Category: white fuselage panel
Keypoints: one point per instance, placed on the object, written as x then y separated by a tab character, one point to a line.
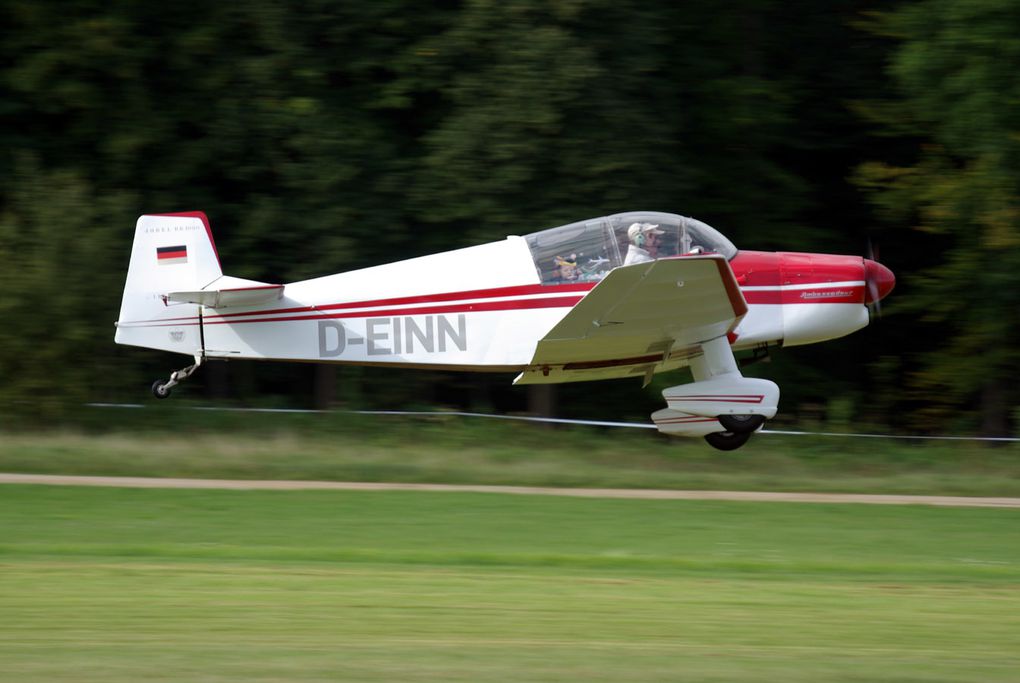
478	306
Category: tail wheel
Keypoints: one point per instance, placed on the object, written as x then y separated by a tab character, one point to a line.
741	424
160	389
727	441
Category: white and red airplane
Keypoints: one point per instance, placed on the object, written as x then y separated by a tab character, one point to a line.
627	295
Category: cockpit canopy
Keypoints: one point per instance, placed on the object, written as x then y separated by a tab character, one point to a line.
587	250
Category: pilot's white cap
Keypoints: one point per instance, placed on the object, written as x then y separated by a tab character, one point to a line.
643	228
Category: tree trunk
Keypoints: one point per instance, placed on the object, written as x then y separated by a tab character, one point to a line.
325	386
994	409
542	400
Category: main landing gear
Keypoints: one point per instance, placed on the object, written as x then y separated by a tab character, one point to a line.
161	389
727	441
738	430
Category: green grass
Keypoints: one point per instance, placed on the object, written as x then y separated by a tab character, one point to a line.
123	585
174	441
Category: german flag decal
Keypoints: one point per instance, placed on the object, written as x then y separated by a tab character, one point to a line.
167	256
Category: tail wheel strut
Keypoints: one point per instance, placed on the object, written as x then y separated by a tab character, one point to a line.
161	389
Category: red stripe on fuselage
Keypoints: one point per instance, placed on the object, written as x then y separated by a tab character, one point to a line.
521	290
477	307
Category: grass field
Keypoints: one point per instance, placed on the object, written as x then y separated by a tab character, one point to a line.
124	585
172	441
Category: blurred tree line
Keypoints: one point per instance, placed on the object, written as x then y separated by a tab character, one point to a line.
327	136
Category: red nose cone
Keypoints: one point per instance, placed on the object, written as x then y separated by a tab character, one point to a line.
880	281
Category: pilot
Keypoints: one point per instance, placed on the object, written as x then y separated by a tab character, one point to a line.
644	243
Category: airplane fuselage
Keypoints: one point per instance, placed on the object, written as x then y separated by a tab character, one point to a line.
423	315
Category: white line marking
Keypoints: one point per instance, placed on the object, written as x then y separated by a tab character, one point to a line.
563	420
792	288
640	494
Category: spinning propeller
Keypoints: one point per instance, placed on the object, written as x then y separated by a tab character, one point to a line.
878	281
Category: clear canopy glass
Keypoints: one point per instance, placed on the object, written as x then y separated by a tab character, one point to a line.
587	250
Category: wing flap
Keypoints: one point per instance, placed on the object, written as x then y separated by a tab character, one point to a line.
640	319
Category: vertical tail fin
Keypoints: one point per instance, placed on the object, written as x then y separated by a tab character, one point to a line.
171	252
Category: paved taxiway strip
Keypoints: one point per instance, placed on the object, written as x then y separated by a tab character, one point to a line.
645	494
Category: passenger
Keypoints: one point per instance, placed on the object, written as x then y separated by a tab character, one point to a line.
566	268
644	243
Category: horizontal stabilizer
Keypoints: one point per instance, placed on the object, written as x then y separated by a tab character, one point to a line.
228	292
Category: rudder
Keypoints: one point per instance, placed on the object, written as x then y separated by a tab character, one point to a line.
171	252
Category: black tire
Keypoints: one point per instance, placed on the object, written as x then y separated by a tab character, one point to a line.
160	390
727	441
741	424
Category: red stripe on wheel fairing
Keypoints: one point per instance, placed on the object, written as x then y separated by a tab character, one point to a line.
720	398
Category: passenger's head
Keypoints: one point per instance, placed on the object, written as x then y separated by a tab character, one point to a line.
566	267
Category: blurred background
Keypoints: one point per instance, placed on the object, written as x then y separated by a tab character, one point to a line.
324	136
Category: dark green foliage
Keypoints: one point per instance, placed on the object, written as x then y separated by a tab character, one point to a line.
956	97
337	135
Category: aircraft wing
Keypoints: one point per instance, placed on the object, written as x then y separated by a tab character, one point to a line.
640	319
226	291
